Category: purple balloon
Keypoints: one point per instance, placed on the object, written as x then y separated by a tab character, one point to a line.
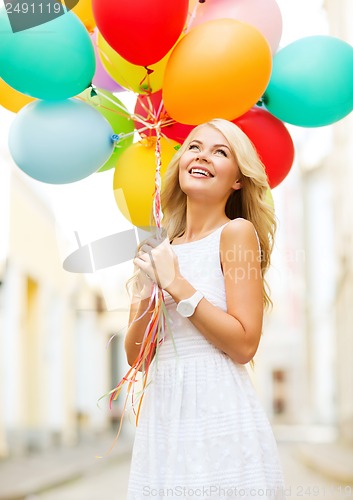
101	78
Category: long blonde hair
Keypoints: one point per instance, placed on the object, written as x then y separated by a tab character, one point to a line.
249	202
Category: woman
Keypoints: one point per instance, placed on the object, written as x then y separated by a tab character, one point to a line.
202	431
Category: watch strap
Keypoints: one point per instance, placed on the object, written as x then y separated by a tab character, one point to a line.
191	302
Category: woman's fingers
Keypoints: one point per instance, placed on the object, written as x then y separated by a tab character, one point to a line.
157	259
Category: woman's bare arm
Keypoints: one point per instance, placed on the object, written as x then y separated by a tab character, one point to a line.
236	332
136	329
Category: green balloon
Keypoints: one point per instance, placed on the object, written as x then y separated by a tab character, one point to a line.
51	61
118	117
312	82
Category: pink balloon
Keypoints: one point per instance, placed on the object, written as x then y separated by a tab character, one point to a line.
264	15
101	78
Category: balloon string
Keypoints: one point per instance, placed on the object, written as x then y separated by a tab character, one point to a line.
159	112
158	325
154	336
154	118
192	18
157	209
117	104
149	71
152	121
104	56
147	88
146	124
125	115
151	115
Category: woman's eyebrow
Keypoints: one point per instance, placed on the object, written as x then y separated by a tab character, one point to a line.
221	145
214	145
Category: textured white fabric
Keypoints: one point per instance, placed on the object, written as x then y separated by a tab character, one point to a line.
202	431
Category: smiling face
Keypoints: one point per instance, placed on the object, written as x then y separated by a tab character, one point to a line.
208	166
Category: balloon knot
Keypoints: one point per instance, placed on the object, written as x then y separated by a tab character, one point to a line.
93	91
149	70
115	138
264	100
146	88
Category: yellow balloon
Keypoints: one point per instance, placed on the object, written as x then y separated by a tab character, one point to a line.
135	175
130	76
11	99
83	10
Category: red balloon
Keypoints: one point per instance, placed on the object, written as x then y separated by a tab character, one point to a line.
150	107
272	141
141	31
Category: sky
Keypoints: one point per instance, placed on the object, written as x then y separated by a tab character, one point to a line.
88	206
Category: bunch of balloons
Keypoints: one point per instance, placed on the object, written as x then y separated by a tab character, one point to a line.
187	61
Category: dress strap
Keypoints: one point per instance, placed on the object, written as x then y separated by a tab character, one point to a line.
258	239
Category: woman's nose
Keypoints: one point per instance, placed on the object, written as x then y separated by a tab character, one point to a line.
202	156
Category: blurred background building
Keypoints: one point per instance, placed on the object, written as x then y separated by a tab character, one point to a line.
55	362
304	364
340	162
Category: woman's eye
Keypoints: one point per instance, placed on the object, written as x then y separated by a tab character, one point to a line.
194	146
221	151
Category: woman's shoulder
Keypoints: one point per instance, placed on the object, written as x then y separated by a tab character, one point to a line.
239	230
238	226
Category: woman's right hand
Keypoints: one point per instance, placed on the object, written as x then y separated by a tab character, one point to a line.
144	285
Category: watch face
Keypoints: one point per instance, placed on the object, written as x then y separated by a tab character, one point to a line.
186	309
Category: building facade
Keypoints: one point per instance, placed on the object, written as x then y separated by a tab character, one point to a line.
340	14
56	360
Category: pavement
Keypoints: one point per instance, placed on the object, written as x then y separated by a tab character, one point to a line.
23	478
333	460
321	450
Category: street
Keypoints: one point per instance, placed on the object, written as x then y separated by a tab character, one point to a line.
306	484
109	482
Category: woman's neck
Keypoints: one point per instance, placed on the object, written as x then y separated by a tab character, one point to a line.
201	220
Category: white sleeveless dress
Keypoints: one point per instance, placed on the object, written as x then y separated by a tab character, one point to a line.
202	432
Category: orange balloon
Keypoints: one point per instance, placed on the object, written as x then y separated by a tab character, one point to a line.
134	178
83	10
11	99
220	69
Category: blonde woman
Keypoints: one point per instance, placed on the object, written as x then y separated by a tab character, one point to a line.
202	431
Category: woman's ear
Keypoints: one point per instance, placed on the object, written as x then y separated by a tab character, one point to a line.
237	185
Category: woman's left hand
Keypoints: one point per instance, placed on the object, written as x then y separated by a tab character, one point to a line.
157	259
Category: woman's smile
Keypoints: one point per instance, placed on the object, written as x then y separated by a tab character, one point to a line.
209	156
200	172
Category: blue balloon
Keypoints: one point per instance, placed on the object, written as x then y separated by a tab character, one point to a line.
58	142
312	82
53	61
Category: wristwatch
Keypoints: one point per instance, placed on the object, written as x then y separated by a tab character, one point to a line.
186	307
